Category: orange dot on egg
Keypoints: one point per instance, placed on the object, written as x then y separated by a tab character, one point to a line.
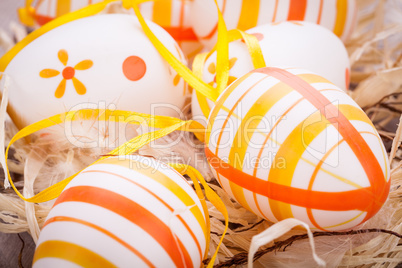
68	73
347	78
134	68
259	36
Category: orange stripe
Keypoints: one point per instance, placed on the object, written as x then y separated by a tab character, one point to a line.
181	19
249	124
341	12
275	10
296	196
249	14
133	212
168	183
213	31
70	252
320	12
102	230
181	34
63	7
159	199
297	9
312	180
41	20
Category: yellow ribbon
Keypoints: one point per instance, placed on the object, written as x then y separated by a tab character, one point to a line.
197	178
26	14
193	80
167	125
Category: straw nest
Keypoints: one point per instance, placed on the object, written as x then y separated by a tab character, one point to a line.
376	58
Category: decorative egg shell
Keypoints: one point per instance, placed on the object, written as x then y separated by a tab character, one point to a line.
134	212
172	15
286	143
339	16
104	59
47	10
287	44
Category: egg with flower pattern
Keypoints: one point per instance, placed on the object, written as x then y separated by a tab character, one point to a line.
101	60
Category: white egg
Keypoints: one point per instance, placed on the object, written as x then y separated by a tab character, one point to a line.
287	44
339	16
104	60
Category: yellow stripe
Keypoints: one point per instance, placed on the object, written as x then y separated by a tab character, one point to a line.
202	101
63	7
296	143
249	124
342	223
341	12
162	12
313	78
70	252
249	14
166	182
219	104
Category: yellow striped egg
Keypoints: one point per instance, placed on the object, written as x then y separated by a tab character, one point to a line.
47	10
133	212
172	15
103	60
287	143
287	44
339	16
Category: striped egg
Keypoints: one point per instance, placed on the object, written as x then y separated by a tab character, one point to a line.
172	15
133	212
286	44
286	143
47	10
339	16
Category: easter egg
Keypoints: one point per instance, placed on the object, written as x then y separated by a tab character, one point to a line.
172	15
133	212
287	44
47	10
103	60
339	16
287	143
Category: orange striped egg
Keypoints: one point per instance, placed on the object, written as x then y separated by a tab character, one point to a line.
339	16
134	212
287	44
286	143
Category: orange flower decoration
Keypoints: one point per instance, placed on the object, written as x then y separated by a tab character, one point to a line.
212	70
68	73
